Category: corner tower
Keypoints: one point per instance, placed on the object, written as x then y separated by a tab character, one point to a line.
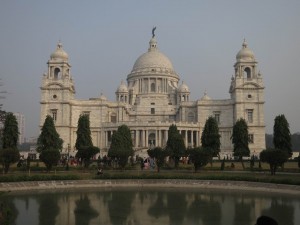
247	94
57	90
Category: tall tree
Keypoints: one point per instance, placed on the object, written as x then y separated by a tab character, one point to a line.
9	153
84	138
240	140
84	143
210	137
121	145
49	144
282	135
175	144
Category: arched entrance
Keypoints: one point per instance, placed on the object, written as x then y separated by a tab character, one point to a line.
151	140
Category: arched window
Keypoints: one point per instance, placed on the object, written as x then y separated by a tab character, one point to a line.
153	87
151	140
56	73
247	73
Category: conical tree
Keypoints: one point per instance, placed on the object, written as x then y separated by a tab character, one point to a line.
240	140
121	145
49	144
84	143
9	153
282	135
210	137
84	138
175	144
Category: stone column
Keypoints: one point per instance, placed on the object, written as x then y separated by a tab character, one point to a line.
192	138
146	133
138	138
186	138
135	137
166	136
143	138
105	139
197	138
156	138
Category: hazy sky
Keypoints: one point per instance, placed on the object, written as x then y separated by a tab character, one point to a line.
104	38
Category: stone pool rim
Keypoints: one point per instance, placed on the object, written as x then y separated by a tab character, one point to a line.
149	183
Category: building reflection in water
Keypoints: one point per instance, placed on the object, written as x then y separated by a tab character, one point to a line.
145	206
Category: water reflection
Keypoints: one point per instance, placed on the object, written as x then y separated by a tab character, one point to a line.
84	212
160	206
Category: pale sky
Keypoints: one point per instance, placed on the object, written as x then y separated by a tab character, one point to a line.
104	38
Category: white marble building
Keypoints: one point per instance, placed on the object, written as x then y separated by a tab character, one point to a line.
151	100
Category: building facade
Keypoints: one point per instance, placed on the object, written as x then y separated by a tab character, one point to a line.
21	127
151	100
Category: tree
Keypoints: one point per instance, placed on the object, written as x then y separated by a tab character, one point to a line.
175	144
210	137
84	143
121	145
159	155
274	157
86	153
84	138
2	120
282	135
200	157
50	157
10	132
240	140
49	144
9	153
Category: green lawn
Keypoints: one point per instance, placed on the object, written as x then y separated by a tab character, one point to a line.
289	175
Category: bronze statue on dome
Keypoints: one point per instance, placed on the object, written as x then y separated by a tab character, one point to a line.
153	29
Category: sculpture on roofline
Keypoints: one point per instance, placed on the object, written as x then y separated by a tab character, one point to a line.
153	29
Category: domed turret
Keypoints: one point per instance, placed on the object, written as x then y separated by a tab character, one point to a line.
122	88
183	88
59	53
245	54
102	97
205	97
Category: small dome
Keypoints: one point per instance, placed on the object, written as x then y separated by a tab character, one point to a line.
59	53
245	54
183	88
205	97
122	87
102	97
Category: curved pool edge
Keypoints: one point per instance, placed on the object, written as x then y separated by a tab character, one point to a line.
155	183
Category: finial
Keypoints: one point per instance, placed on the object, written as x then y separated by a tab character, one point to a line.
245	43
153	34
59	44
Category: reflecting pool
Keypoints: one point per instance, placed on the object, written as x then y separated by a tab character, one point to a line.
151	206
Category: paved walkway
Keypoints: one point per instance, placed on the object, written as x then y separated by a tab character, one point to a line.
164	183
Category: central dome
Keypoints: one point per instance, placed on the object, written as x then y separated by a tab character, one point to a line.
153	60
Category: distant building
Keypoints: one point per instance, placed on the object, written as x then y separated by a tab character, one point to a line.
21	125
152	99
